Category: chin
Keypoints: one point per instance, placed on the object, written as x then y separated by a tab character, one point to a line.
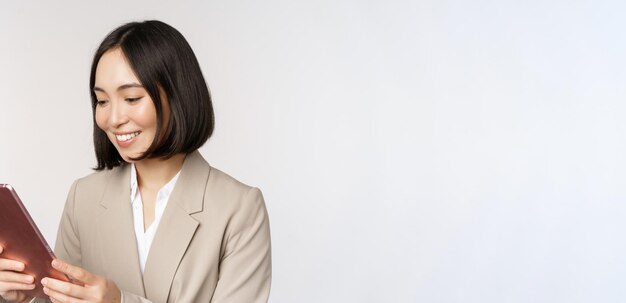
127	157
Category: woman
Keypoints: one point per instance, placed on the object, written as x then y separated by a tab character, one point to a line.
156	223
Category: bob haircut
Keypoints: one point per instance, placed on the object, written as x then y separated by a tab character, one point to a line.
166	66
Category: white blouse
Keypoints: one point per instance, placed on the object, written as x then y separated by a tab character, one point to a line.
145	237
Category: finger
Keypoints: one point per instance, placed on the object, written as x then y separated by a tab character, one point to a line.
6	264
56	296
15	296
9	286
63	287
74	272
9	276
1	249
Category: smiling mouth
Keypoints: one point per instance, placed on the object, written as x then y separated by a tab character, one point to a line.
126	137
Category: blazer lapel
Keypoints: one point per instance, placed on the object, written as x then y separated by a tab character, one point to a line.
117	235
176	228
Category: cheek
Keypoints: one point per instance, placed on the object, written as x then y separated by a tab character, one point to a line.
145	116
101	118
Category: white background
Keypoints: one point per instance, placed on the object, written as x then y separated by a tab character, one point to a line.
408	151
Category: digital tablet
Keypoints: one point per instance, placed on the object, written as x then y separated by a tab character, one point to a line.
22	241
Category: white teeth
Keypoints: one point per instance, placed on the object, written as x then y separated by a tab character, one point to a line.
126	137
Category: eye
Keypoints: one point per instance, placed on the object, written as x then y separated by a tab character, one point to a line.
131	100
101	102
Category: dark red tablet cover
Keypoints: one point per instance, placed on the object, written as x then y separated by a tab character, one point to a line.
22	241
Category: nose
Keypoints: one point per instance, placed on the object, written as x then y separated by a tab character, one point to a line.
118	115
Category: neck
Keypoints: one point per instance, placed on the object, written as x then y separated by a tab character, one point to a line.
155	173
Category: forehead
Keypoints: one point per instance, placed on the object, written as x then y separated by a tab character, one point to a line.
114	71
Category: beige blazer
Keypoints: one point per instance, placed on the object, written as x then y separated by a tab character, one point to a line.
212	244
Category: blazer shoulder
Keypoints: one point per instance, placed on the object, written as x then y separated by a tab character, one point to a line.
218	177
229	192
91	187
93	178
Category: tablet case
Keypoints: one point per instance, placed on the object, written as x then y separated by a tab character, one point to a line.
22	241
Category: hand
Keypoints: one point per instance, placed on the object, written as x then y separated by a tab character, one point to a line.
94	288
12	282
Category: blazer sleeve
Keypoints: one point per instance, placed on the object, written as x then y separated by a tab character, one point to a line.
67	246
245	268
128	297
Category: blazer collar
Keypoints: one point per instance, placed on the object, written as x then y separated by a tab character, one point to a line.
189	190
176	229
116	233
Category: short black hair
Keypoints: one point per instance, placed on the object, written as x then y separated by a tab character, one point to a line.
164	63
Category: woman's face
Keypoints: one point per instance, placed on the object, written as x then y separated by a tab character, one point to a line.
125	111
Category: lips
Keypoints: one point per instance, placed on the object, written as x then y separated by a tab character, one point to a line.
125	140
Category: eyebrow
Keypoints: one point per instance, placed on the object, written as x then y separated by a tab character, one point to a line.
122	87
